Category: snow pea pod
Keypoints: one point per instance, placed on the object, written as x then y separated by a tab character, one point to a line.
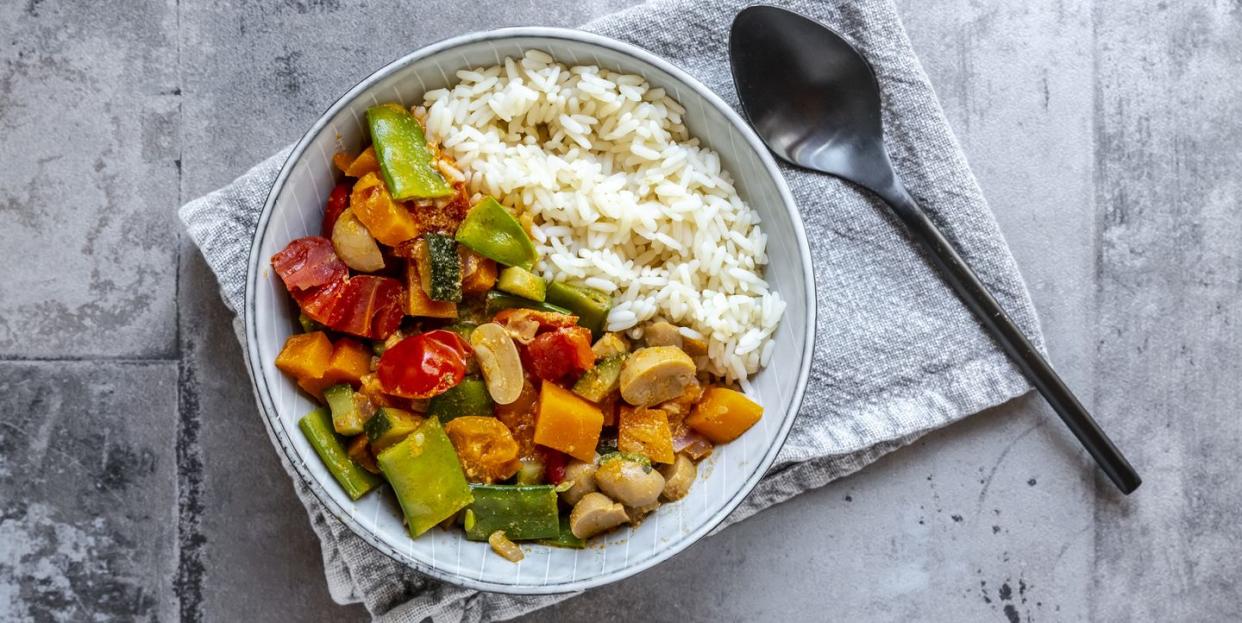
405	159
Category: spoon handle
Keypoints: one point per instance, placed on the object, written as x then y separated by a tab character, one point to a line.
1034	367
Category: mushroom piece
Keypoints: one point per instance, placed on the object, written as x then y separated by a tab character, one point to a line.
629	482
640	513
655	374
662	333
582	475
677	478
595	513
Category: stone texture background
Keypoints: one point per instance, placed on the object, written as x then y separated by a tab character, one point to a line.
136	482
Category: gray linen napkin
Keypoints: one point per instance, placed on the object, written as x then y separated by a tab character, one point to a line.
897	355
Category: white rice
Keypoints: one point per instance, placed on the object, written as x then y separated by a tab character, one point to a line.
623	199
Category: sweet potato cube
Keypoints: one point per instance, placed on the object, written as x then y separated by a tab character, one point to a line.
366	162
645	431
314	387
478	273
305	355
388	221
417	303
567	423
342	160
349	362
724	414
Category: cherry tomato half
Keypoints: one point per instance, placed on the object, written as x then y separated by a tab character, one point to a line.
424	365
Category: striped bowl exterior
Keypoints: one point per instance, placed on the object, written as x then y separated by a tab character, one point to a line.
293	210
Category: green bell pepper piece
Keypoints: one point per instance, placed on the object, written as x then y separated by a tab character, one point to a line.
590	305
602	379
356	481
524	512
499	301
404	157
492	232
469	397
565	538
427	477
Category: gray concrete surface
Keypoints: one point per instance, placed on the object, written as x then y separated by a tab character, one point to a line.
136	483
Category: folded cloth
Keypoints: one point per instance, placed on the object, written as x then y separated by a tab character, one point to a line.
897	354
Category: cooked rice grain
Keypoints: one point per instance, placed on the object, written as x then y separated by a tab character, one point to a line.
623	198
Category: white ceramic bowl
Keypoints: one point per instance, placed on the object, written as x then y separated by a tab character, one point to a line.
294	209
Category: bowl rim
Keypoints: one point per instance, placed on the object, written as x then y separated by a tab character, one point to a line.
263	392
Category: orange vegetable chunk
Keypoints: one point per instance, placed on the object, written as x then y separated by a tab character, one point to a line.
417	303
487	449
349	362
314	387
567	423
645	431
478	273
388	221
724	414
366	162
342	160
305	355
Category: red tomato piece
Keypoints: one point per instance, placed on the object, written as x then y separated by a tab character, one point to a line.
319	303
553	464
337	202
423	365
368	306
308	263
560	353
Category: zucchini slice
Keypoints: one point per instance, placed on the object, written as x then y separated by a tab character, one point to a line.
469	397
602	379
388	426
347	417
522	282
439	268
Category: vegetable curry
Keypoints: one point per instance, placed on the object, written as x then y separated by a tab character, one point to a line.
486	396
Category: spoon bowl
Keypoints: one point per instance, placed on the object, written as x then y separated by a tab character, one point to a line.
794	94
815	101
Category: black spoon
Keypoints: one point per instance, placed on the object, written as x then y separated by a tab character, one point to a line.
815	101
